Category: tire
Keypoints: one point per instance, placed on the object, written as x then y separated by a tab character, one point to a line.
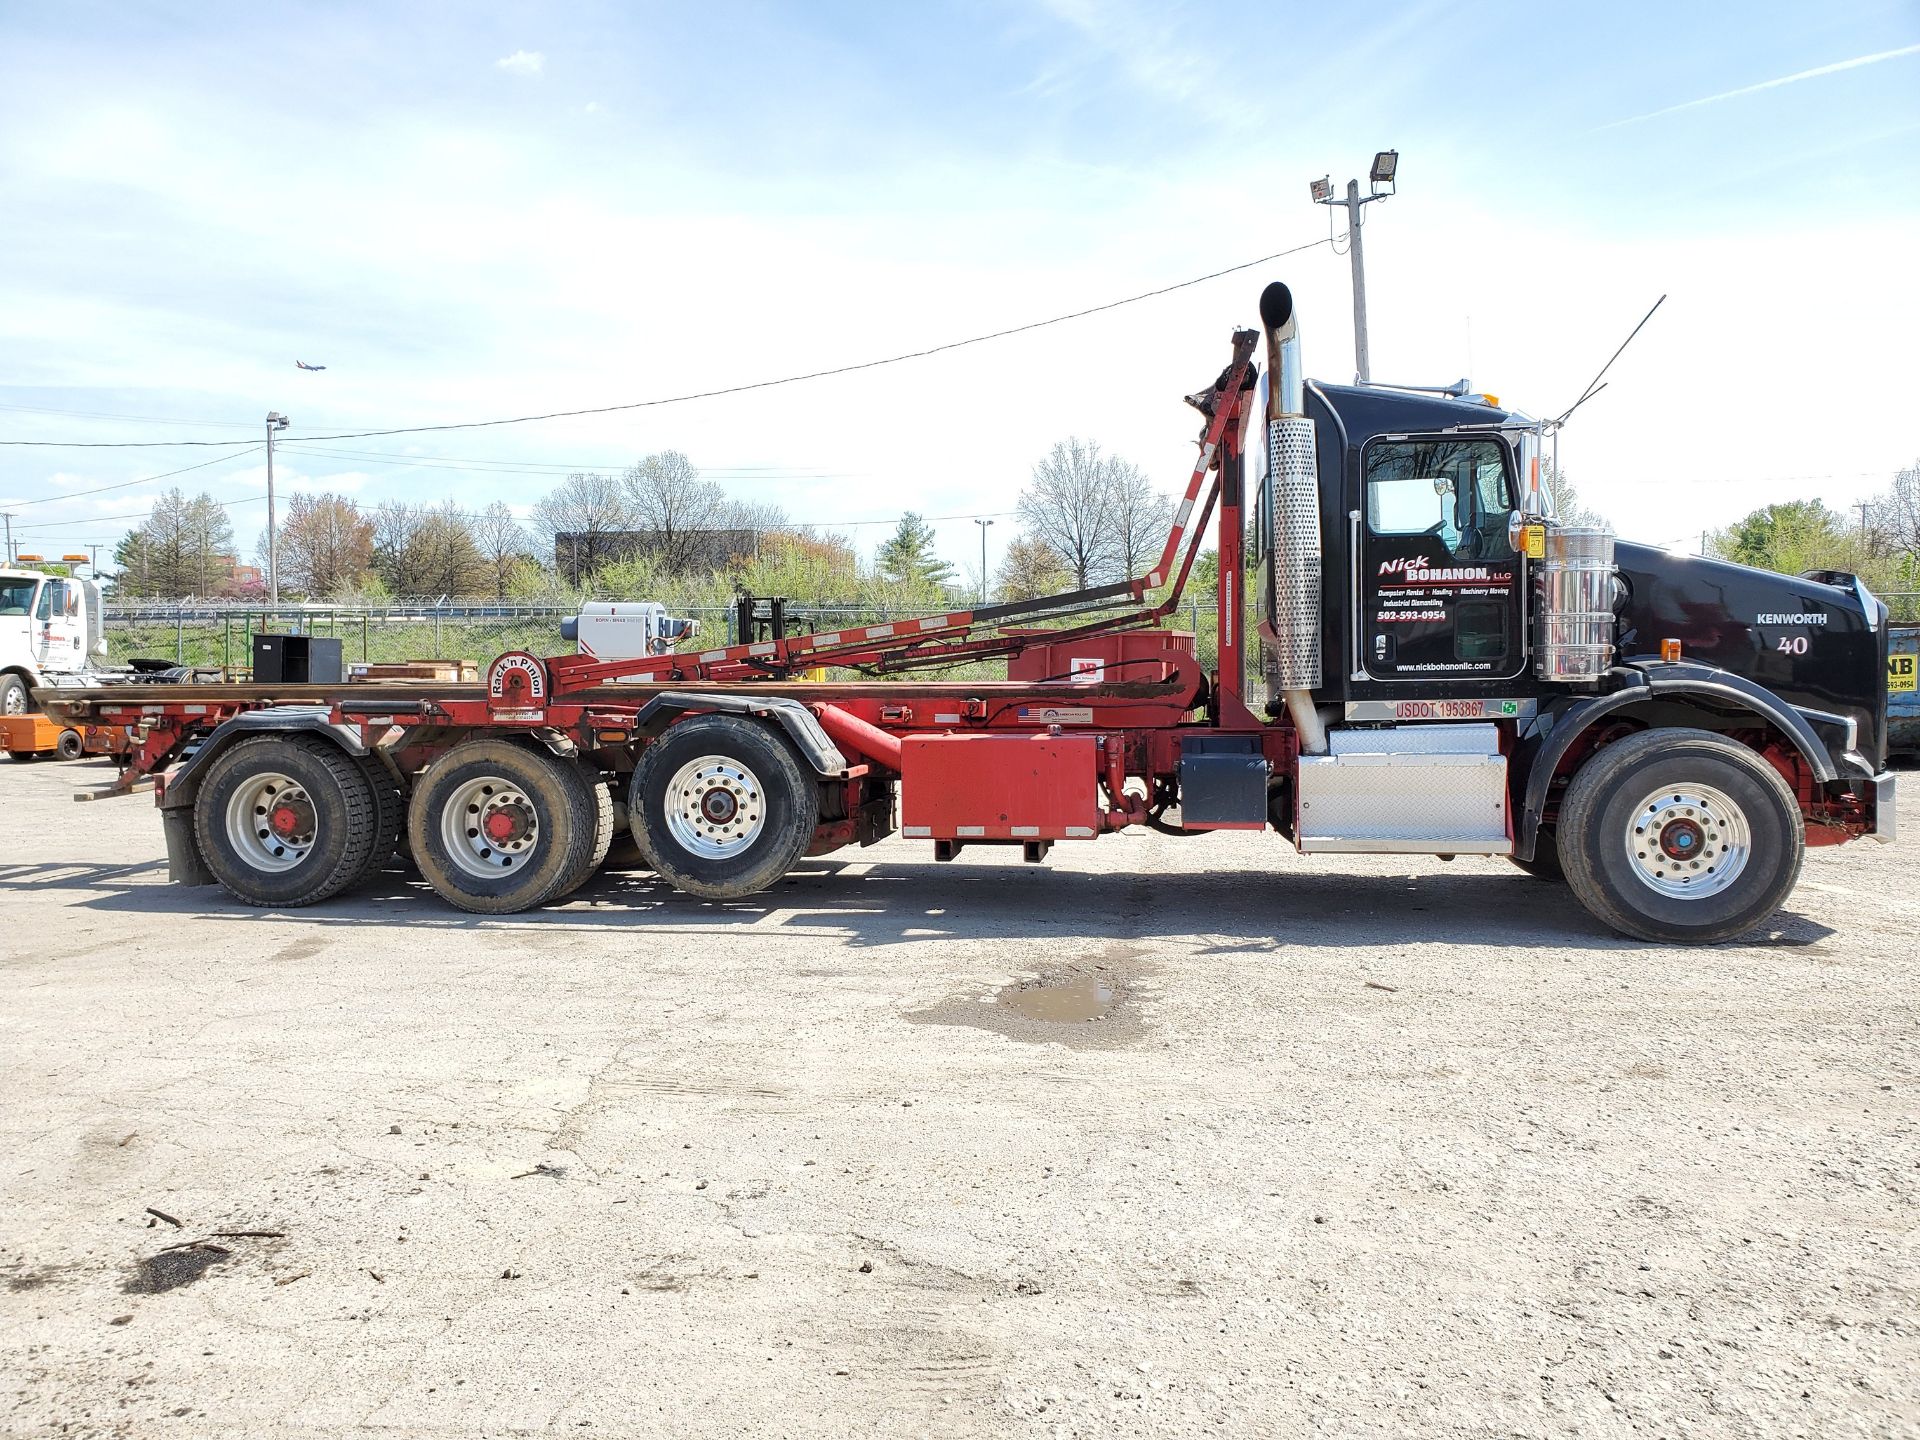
390	807
721	806
1545	864
14	696
547	817
70	746
602	800
315	842
1691	798
22	757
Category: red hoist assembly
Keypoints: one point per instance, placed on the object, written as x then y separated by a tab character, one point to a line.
1438	673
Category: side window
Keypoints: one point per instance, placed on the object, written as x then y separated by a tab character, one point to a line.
44	610
1412	505
1441	586
1453	492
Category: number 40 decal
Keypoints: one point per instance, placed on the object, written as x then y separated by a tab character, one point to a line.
1793	645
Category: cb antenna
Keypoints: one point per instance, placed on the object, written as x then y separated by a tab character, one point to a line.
1594	387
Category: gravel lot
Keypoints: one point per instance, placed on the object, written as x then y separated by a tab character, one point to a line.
1359	1147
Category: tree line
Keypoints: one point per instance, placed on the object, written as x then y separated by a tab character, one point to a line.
659	530
1881	545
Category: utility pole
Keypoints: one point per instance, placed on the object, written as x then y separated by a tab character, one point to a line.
94	564
1861	506
983	524
275	421
1385	164
8	517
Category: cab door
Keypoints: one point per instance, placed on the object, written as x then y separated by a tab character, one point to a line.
59	631
1442	590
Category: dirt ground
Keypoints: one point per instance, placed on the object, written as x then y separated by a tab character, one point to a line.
1354	1147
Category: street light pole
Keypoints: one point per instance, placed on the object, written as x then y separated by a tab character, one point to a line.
275	421
983	524
1385	164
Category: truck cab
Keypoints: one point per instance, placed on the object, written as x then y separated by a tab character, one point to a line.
50	630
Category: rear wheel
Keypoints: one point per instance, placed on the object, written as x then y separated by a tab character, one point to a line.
1681	836
722	807
284	821
497	827
602	800
70	745
390	816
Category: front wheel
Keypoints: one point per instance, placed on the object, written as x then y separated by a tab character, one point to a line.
721	807
14	698
1681	836
1545	864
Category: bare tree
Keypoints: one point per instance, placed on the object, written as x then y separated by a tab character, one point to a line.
1138	518
502	544
208	536
326	545
585	508
1065	507
184	547
680	512
395	525
1098	514
1896	514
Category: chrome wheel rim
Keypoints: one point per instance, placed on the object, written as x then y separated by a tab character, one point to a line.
16	700
271	822
490	827
715	807
1688	841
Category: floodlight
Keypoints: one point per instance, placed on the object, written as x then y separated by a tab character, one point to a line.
1322	190
1384	164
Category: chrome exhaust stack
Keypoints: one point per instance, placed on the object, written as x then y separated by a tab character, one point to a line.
1298	562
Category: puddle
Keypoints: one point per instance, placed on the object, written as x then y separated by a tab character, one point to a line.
170	1269
1083	1009
1062	1002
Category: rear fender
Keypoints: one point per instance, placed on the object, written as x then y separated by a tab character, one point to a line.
800	725
184	783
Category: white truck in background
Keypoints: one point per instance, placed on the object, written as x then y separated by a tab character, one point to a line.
51	633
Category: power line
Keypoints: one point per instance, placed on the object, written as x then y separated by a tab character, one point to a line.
738	474
712	394
135	515
128	484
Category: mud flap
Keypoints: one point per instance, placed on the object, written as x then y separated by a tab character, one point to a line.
185	864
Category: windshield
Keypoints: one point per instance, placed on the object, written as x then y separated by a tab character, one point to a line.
16	596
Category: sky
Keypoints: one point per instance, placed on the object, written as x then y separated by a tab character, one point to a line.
470	211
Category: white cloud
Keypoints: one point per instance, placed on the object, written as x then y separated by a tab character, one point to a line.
522	62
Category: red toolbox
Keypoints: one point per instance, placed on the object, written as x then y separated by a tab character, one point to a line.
999	787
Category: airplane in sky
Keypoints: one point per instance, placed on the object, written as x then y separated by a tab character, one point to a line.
305	366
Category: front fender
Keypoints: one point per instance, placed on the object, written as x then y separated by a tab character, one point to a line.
1645	680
